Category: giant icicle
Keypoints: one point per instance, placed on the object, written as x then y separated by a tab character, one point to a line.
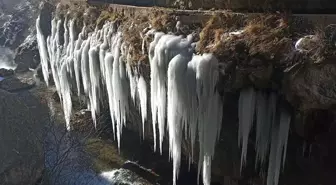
142	93
211	110
278	148
66	94
42	47
120	90
177	107
246	118
94	71
265	113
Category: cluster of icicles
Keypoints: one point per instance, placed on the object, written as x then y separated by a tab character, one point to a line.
182	86
272	127
182	91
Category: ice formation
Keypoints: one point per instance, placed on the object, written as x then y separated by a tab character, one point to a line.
272	127
246	117
182	92
142	93
94	71
42	47
182	85
265	113
66	94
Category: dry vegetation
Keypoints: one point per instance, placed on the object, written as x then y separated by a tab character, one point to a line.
231	36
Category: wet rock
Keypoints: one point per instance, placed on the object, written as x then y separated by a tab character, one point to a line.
141	171
21	156
6	72
14	84
123	177
27	55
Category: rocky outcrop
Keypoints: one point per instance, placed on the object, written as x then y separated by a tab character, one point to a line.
21	156
27	55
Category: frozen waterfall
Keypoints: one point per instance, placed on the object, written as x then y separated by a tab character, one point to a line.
184	102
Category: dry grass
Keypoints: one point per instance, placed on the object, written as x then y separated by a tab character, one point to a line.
268	36
265	35
324	46
215	27
162	21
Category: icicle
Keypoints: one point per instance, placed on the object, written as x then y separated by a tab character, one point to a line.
66	94
94	71
166	48
77	66
246	118
142	92
210	111
102	51
108	81
154	85
72	35
285	120
43	51
192	98
132	78
66	32
265	114
85	66
176	116
120	89
278	148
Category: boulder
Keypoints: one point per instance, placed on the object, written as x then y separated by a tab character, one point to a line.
27	55
21	144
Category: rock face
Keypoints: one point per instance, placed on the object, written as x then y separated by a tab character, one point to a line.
27	55
313	87
21	156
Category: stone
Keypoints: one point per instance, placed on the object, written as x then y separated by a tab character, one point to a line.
27	55
21	144
313	87
6	72
15	84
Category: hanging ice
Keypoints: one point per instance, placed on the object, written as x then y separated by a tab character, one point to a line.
166	47
278	147
66	94
265	114
132	77
154	84
94	71
177	108
183	87
43	51
142	92
246	118
85	71
120	90
102	51
210	111
108	81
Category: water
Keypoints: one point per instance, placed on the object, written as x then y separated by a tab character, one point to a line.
7	58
